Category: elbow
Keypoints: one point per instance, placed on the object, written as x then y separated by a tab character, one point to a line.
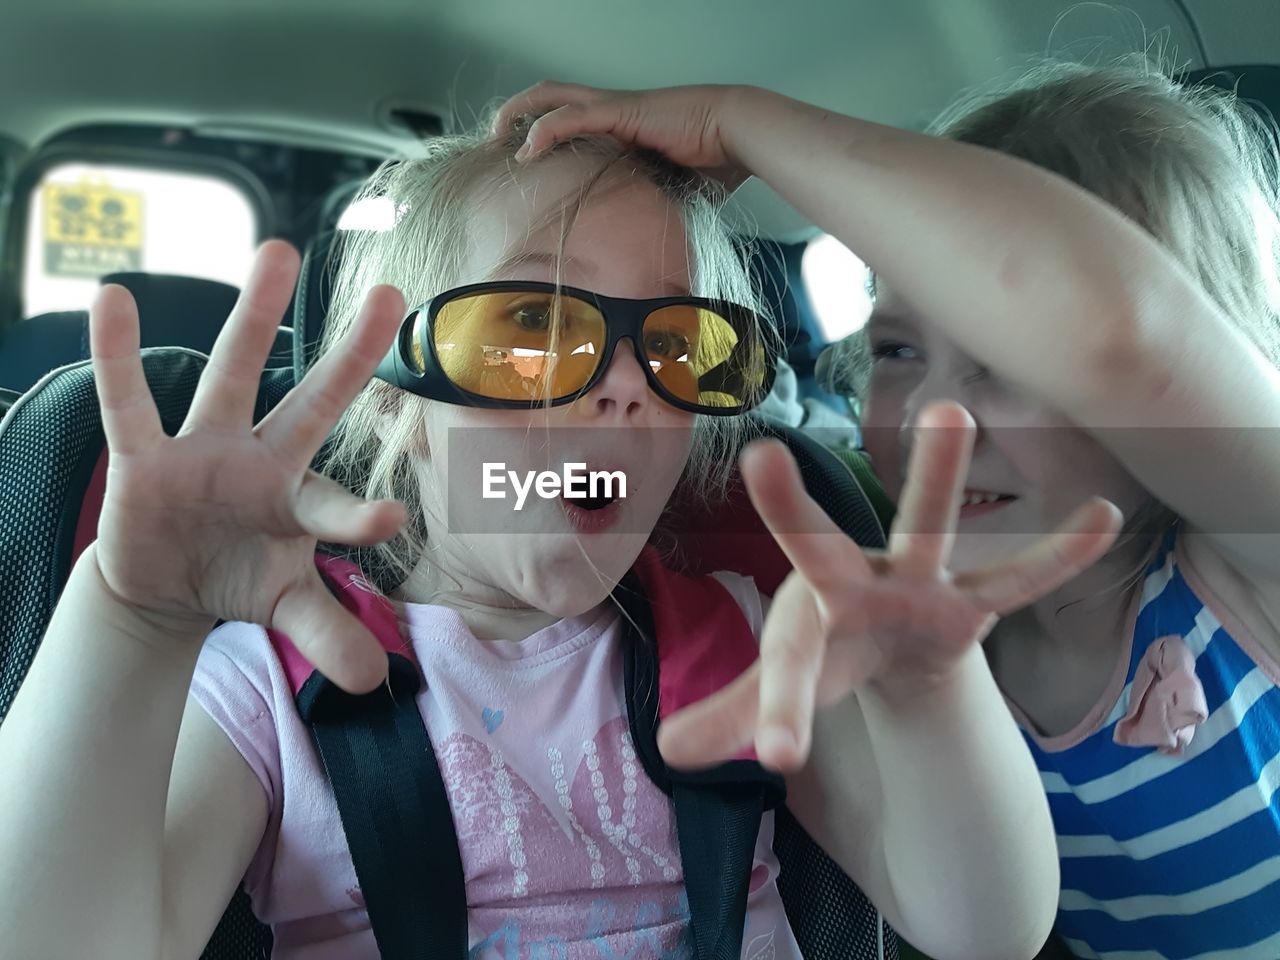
1123	357
1022	939
1120	364
1102	342
1139	327
1005	921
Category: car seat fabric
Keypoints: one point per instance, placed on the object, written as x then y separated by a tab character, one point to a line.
51	443
859	464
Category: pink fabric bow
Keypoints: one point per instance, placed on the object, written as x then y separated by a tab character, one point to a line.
1167	702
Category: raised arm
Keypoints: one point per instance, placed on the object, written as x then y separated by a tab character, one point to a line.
124	827
913	776
1043	283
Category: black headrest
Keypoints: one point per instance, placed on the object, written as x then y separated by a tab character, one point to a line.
172	311
188	312
31	348
178	311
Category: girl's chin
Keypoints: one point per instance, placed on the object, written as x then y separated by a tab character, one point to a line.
609	552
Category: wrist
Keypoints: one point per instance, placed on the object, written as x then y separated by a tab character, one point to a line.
741	109
166	630
914	691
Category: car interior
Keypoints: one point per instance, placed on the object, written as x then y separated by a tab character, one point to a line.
156	144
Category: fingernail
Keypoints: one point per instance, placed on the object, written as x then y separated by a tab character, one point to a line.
524	151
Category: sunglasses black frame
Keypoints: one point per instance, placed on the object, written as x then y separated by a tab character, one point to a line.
623	318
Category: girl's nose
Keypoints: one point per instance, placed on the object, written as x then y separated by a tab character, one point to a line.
623	391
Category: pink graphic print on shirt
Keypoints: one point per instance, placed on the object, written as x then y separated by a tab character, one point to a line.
601	871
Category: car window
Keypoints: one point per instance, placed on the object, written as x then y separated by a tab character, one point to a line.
87	220
835	280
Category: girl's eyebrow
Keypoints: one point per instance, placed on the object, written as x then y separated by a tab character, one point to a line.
541	258
887	317
550	260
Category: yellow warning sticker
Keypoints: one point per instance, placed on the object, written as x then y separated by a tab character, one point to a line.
91	229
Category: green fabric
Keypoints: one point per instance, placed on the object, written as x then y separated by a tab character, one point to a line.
859	465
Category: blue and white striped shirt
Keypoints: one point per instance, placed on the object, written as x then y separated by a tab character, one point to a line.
1174	857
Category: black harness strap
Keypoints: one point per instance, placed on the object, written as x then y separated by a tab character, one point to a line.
395	813
717	811
718	827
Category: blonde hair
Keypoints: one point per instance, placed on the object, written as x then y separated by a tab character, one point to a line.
380	439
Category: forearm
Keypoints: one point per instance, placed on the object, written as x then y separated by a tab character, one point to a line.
966	836
85	758
976	241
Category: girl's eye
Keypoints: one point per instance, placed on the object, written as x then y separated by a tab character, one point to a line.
535	318
894	351
672	345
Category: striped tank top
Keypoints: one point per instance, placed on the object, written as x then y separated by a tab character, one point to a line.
1169	840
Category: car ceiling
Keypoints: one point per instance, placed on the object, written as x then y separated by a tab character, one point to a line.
324	71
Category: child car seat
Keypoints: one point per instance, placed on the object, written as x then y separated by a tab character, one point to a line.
52	471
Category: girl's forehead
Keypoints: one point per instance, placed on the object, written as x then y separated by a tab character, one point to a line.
536	226
891	315
889	309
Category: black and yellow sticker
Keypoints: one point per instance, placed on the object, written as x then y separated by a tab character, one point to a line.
90	229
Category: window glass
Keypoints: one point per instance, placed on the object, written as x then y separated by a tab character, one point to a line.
836	281
89	220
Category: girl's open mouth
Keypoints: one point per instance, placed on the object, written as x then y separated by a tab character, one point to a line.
592	503
592	514
978	502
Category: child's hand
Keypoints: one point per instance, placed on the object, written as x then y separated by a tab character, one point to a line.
896	620
222	520
685	124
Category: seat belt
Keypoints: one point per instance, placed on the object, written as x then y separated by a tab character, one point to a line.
395	813
717	811
391	797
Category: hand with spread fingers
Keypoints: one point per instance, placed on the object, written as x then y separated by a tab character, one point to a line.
221	521
893	622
